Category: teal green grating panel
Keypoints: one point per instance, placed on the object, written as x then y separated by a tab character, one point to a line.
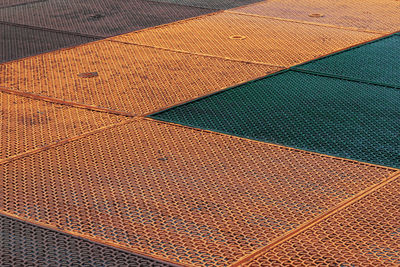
322	114
375	62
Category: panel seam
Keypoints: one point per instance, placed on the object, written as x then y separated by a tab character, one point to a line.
52	30
156	120
307	22
108	244
291	234
176	4
221	90
341	77
193	53
64	102
356	46
23	4
62	142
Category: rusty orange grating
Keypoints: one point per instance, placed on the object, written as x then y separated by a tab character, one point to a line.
370	15
269	41
365	233
179	194
125	77
28	124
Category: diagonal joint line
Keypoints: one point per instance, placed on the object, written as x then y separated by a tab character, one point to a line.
62	142
64	102
342	77
194	53
316	220
90	239
306	22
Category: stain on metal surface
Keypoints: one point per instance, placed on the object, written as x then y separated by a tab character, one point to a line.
132	79
27	124
363	234
275	42
369	15
216	198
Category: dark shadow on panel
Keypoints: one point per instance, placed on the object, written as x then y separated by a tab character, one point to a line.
19	42
12	3
23	244
99	17
213	4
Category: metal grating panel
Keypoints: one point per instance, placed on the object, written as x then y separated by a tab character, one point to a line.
186	195
250	38
18	42
129	78
327	115
220	4
366	233
375	15
380	61
27	124
10	3
23	244
99	17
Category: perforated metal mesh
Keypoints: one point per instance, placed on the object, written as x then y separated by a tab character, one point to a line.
364	234
27	124
18	42
264	40
98	17
130	78
10	3
326	115
380	61
220	4
377	15
23	244
189	196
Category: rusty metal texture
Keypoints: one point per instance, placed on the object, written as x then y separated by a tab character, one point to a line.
270	41
129	78
175	193
28	124
23	244
380	61
102	18
365	233
220	4
19	42
373	15
317	113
